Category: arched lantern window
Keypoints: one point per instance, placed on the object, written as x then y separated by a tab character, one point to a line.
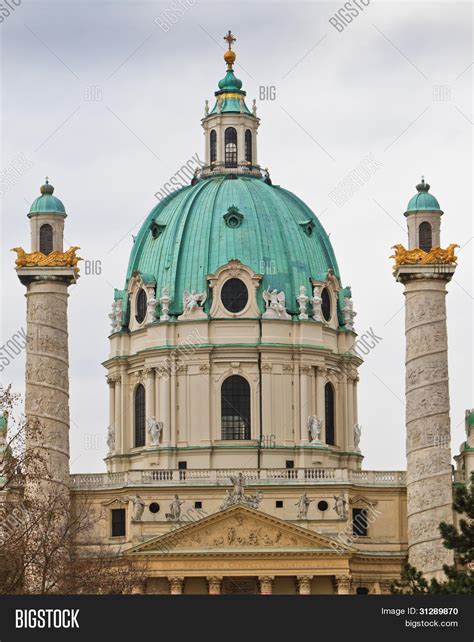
248	146
425	236
230	141
46	239
213	146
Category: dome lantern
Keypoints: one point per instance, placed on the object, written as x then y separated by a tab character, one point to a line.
230	127
47	214
423	215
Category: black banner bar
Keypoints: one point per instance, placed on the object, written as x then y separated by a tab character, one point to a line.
251	617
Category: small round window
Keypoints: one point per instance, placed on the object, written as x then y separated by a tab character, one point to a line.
234	295
323	506
154	507
233	221
140	311
326	304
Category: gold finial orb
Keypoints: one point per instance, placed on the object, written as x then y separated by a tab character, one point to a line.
230	56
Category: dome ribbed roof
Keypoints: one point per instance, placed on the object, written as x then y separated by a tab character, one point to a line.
278	236
230	82
47	203
423	200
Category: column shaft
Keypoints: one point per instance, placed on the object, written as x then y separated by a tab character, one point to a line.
429	483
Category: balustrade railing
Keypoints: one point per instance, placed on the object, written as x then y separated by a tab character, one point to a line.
252	476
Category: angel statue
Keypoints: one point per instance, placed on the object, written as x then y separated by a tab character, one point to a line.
154	429
192	304
275	304
314	428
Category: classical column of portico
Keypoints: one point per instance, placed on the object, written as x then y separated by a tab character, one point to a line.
343	584
304	584
176	585
214	585
266	584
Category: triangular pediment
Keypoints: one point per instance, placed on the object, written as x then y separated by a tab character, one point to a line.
239	529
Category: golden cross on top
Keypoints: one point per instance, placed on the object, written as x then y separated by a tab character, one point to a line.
230	39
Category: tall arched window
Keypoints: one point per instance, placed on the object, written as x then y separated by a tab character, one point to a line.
248	146
230	141
139	415
213	146
46	238
425	236
235	408
329	412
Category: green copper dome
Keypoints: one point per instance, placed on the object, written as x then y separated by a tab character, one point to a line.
199	228
230	82
423	201
47	203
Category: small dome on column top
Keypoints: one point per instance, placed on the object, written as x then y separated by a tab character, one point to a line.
423	200
47	203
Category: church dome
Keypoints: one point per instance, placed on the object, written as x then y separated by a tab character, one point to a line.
423	200
199	228
47	203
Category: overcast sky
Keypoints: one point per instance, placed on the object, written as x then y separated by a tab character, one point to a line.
107	104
